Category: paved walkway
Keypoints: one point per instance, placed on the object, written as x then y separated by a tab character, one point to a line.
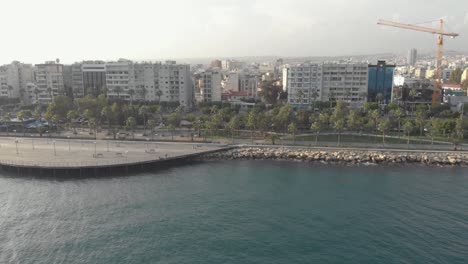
58	153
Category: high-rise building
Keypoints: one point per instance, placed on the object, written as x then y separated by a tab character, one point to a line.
380	82
412	57
308	83
88	78
210	86
49	81
168	82
14	79
345	82
303	82
249	83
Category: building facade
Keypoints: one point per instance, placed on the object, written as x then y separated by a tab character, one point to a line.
303	83
168	82
49	82
412	57
380	82
14	79
210	89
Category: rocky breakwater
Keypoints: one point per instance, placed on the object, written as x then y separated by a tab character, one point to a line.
342	156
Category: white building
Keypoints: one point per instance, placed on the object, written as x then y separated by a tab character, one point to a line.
232	82
303	83
345	82
210	86
49	82
14	79
169	82
308	83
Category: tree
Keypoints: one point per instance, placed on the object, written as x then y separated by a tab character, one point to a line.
316	127
398	114
71	116
354	121
130	124
435	127
143	112
269	91
92	125
338	118
159	93
59	108
232	126
23	115
374	117
455	76
408	127
151	126
384	126
300	95
421	113
292	129
38	113
252	122
131	93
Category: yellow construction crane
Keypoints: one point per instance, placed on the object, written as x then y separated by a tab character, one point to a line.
440	44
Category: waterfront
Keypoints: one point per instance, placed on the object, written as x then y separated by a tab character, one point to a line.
240	212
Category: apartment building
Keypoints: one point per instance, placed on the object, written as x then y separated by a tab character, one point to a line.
209	85
303	82
308	83
168	82
49	82
14	79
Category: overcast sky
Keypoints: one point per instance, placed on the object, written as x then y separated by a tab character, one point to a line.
37	30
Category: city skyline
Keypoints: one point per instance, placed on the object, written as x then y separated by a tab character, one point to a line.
151	30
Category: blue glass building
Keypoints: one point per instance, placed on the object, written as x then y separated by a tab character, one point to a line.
380	81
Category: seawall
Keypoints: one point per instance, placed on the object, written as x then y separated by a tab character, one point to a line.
343	156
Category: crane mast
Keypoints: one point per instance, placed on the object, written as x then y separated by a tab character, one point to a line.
439	50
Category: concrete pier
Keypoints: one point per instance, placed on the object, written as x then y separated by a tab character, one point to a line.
44	156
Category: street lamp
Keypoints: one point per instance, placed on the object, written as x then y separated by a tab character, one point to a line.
69	147
16	141
55	150
95	151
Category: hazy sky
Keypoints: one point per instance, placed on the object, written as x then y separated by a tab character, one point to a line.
34	31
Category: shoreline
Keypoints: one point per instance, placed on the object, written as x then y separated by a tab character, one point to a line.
342	156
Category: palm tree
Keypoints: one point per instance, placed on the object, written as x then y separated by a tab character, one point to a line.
6	118
131	93
143	112
159	93
130	125
384	126
316	127
314	96
292	129
251	123
398	114
232	126
408	127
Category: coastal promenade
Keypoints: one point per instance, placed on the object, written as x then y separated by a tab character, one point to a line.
78	156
